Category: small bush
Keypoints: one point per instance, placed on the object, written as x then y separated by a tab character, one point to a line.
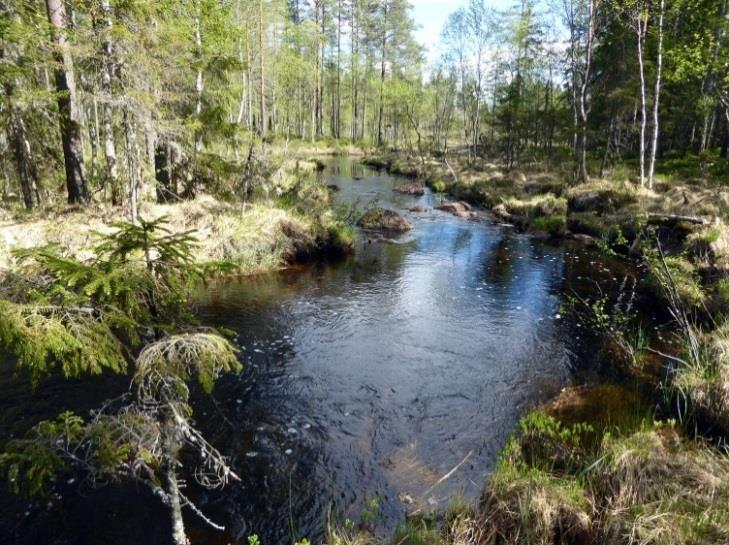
555	225
678	272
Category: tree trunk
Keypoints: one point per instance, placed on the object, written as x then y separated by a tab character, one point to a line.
355	62
166	190
199	80
107	111
262	69
94	137
338	108
133	166
24	164
18	142
68	107
657	97
584	106
168	466
642	28
382	75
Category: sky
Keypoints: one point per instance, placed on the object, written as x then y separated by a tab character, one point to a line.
430	16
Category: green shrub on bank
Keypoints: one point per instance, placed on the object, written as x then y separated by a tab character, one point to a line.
555	225
652	484
678	273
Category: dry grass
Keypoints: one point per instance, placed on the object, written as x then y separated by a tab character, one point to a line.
526	505
706	383
257	237
662	489
648	485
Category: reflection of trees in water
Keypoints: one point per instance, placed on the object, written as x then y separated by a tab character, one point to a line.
381	258
356	169
498	265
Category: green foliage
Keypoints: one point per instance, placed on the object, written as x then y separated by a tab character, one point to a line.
371	512
678	275
203	356
547	444
417	531
116	444
555	225
30	464
83	313
77	340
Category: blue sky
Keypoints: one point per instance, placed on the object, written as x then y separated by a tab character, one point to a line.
430	15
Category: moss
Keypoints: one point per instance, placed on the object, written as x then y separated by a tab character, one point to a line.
524	504
376	161
419	530
709	247
341	238
721	294
385	220
601	196
589	223
537	206
404	167
680	273
664	489
652	484
555	225
290	217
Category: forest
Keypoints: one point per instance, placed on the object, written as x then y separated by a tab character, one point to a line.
291	271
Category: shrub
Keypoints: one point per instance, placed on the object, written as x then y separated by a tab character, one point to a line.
555	225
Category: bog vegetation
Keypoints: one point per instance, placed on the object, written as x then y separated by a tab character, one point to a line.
147	145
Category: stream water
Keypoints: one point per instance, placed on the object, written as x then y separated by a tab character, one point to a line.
366	381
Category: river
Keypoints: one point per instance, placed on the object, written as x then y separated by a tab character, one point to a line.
367	380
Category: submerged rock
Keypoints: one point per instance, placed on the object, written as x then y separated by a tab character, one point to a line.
381	219
459	208
501	213
584	239
454	207
413	188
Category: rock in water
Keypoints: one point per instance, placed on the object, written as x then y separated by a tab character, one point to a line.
501	213
381	219
459	208
410	189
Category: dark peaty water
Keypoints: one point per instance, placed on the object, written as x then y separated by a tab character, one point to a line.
373	378
368	379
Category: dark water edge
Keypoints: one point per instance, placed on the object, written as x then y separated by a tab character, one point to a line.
370	377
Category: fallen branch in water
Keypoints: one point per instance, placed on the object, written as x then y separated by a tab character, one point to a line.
450	473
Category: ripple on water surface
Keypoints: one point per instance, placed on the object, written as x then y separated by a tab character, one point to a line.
374	376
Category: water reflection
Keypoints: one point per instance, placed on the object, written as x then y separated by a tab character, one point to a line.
380	374
372	376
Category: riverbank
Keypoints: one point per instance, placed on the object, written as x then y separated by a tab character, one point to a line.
289	220
620	478
541	200
634	478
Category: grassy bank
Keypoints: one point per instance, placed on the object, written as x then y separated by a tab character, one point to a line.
586	469
623	479
288	220
535	198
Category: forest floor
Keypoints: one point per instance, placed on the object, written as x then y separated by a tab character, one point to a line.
290	221
592	466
